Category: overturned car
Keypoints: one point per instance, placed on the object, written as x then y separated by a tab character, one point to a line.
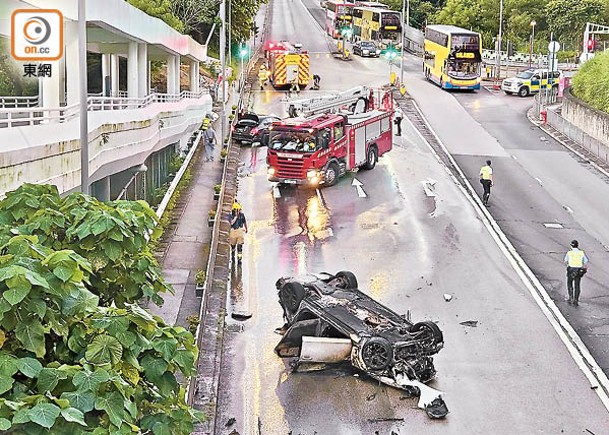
329	320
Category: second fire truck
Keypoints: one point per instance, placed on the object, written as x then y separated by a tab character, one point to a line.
288	63
317	148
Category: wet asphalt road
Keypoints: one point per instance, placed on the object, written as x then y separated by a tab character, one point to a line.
510	374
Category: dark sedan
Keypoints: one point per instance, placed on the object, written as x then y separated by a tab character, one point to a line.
253	129
366	49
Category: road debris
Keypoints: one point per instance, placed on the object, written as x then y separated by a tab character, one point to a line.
230	422
448	297
371	397
381	419
241	315
472	323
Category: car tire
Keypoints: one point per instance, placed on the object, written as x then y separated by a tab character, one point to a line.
433	330
376	354
523	91
348	278
332	174
371	158
291	295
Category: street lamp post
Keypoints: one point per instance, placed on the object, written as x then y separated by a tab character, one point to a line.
84	124
405	5
498	51
223	63
242	54
390	54
533	23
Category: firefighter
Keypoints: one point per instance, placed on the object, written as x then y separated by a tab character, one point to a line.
238	229
262	76
316	80
294	86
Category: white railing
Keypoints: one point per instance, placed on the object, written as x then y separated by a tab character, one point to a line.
16	102
19	117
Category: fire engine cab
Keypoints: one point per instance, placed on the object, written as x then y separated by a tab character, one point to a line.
317	149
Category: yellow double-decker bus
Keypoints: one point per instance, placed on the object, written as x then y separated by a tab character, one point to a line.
452	57
382	26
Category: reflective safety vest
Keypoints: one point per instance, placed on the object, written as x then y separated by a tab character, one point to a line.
575	258
486	172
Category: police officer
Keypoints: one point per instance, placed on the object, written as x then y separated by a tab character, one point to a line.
576	262
486	179
238	229
398	115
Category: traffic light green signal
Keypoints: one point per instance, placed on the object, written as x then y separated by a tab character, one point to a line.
346	32
390	53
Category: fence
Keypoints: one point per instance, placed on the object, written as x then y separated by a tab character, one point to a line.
19	117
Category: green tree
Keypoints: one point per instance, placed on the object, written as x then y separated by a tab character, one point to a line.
194	12
162	9
112	236
67	364
591	82
567	18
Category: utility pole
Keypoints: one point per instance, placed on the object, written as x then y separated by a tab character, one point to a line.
230	34
223	63
499	40
403	38
82	75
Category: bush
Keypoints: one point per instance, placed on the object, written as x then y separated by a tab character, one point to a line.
211	214
223	153
200	277
591	82
217	188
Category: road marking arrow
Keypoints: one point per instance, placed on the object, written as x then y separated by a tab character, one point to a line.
358	186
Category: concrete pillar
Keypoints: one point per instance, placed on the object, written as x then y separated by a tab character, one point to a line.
50	87
114	64
177	77
142	69
102	189
171	75
106	72
71	55
194	76
132	71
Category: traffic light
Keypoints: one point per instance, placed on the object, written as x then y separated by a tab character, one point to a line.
346	32
390	52
590	45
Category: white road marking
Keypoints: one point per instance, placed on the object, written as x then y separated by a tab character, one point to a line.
572	341
514	157
566	207
358	186
553	226
539	181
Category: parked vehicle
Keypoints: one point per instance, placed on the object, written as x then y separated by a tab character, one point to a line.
329	320
253	129
366	49
531	81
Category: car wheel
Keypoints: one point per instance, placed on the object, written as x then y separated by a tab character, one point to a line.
432	330
377	353
331	175
348	279
372	158
523	91
291	295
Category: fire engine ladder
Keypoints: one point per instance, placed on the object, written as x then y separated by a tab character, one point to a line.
355	98
591	30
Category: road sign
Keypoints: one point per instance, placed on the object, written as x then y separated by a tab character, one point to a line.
553	46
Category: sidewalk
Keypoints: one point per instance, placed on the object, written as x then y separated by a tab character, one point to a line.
188	237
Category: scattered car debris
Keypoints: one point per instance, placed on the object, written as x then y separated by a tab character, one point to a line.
329	320
378	420
448	297
230	422
241	315
472	323
371	397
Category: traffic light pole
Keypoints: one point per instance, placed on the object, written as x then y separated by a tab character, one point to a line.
405	11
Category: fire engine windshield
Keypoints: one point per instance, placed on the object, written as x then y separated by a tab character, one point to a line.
303	142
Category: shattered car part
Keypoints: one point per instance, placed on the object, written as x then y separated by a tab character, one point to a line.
329	320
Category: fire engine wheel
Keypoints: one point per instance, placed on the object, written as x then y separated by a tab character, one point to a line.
291	295
377	353
372	158
348	279
331	176
432	329
523	91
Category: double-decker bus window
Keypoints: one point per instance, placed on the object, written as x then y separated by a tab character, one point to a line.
339	14
378	25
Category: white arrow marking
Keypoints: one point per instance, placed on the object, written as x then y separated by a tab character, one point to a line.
358	185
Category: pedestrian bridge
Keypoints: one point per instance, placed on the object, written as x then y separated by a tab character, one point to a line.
132	129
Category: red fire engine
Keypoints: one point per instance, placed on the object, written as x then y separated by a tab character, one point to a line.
319	148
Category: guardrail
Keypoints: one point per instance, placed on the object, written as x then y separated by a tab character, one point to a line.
19	117
16	102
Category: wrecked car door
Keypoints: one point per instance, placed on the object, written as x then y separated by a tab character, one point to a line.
291	343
